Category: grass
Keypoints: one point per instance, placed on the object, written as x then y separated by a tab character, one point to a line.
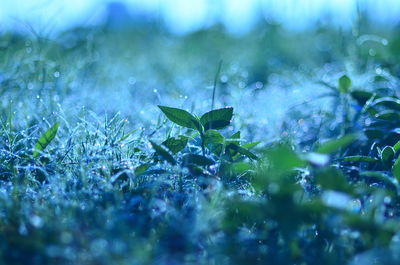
303	168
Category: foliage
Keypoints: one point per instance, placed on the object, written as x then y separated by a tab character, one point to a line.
321	187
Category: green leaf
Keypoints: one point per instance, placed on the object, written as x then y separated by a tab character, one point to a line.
193	159
332	179
217	119
235	138
362	96
236	135
241	150
366	159
373	134
388	116
396	169
213	137
163	153
181	117
45	139
387	154
251	145
140	170
379	176
396	147
214	141
344	84
124	137
283	158
332	146
176	144
388	102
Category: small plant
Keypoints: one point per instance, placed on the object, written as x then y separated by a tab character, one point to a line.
215	148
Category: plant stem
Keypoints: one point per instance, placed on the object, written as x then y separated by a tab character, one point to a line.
215	84
203	149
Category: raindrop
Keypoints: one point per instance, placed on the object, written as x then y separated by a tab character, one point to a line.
372	52
259	85
36	221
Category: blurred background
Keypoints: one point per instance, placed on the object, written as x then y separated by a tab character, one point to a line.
185	16
279	58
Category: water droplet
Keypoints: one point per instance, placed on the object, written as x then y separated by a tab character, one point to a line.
372	52
36	221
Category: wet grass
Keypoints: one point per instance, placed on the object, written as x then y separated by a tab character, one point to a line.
114	150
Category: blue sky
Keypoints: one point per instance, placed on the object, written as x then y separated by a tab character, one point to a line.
186	15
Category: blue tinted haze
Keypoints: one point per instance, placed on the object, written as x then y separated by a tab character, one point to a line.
183	16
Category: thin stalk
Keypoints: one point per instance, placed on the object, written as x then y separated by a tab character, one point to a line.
203	148
215	84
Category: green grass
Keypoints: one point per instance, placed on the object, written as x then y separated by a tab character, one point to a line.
110	152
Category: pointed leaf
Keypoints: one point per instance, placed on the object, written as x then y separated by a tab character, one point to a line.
163	153
381	177
217	119
389	102
251	145
242	150
45	139
334	145
362	96
396	147
365	159
387	154
140	170
181	117
396	169
176	144
124	137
